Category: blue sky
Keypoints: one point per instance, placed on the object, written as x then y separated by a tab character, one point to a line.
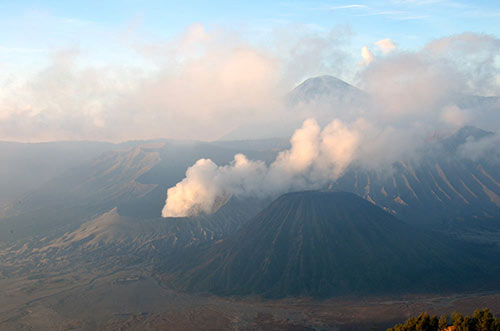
103	30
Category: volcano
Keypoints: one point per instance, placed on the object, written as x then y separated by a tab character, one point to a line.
325	244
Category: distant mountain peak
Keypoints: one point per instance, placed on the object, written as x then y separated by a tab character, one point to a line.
472	131
463	134
324	80
325	88
323	84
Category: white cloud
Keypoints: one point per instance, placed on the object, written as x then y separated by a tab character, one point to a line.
411	94
454	116
367	56
476	57
199	85
316	157
386	45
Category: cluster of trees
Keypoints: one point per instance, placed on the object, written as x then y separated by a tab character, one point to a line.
481	320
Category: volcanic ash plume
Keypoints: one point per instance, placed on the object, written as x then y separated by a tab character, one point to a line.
316	156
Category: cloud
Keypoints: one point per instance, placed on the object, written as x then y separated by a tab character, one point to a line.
482	149
200	84
207	94
316	157
419	85
410	95
367	56
424	82
474	56
410	84
454	116
59	102
180	98
429	90
306	53
386	45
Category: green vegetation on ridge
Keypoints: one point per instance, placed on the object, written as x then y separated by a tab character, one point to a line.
481	320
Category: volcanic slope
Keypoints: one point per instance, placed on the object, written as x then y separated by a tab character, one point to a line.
325	244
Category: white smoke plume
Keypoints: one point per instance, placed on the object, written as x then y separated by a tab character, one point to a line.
409	95
316	156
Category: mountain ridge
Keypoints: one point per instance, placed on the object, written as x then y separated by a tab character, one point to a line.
323	244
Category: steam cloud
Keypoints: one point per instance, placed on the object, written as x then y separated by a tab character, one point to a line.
409	96
315	157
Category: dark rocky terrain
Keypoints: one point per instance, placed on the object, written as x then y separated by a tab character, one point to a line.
325	244
440	189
